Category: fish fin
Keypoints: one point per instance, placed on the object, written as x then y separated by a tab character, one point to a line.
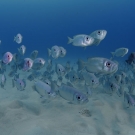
49	52
70	40
14	38
81	64
113	53
18	50
96	42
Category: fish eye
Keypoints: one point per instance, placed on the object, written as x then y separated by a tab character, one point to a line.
59	69
99	32
8	56
108	64
73	77
54	49
49	93
92	80
78	97
20	83
111	85
87	38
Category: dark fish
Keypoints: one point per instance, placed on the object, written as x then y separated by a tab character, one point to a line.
131	58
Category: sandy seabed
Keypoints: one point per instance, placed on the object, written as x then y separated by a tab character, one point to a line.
24	113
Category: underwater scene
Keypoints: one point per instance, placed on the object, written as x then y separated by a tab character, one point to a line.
67	67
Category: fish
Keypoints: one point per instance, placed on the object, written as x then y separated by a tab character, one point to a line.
30	77
130	99
54	52
49	66
131	58
123	74
120	52
47	81
72	95
2	66
28	63
72	76
62	51
98	65
34	54
7	57
44	89
90	79
80	79
38	63
18	38
67	66
45	75
81	40
12	73
36	74
22	49
17	57
118	78
98	36
3	81
19	83
60	70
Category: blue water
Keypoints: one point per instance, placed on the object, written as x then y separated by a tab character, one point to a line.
44	23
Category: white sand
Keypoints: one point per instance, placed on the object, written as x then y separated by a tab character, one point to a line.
23	113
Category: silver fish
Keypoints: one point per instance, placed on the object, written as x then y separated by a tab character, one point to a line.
73	95
19	83
81	40
3	81
72	76
130	99
38	63
22	49
120	52
28	63
98	36
60	70
90	79
34	54
18	38
7	58
98	65
62	51
54	52
44	89
49	66
17	57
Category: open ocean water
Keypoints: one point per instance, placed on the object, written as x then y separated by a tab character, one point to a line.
45	23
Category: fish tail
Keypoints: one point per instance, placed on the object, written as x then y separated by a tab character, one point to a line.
70	40
49	52
81	64
14	38
112	53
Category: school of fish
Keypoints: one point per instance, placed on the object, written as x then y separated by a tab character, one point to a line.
51	80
